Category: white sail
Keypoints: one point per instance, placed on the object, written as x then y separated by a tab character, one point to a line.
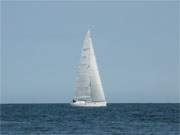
88	83
83	80
97	93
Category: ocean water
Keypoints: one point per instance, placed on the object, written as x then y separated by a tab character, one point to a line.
115	119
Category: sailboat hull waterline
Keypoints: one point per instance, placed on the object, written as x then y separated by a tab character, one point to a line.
88	91
88	104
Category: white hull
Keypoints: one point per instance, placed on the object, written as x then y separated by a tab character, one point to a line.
88	104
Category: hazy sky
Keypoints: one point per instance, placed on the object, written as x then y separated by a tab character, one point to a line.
136	45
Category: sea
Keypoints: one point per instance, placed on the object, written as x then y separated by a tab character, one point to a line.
115	119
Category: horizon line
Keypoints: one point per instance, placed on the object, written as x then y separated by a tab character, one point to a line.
107	103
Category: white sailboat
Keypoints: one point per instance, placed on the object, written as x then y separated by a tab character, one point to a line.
88	91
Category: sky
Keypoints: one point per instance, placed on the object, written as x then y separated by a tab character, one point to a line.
136	45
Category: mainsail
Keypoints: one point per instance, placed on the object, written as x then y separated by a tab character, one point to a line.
88	82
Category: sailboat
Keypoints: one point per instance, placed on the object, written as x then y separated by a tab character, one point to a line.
88	91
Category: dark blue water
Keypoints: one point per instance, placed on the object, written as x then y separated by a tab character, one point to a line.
115	119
